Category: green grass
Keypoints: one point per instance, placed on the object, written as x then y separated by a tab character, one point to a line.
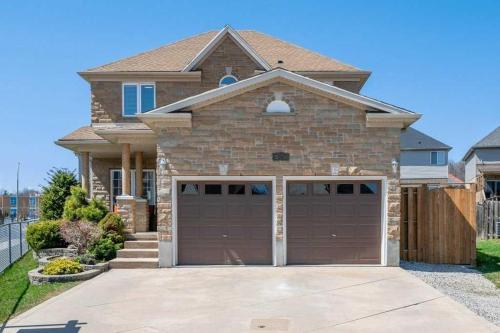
488	259
16	292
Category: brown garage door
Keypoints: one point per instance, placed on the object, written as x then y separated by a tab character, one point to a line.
333	222
224	223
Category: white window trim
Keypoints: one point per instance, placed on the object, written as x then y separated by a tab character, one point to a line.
228	75
132	184
437	157
138	86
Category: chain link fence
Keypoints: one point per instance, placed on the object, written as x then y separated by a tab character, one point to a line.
13	242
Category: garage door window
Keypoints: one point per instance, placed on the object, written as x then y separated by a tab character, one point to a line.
321	189
259	189
213	189
345	188
236	189
298	189
368	188
189	189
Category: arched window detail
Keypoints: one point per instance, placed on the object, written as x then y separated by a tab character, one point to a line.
278	105
227	80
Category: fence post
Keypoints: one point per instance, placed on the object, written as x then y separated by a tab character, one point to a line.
20	239
10	244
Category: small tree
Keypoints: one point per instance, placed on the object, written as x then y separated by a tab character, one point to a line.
78	208
56	191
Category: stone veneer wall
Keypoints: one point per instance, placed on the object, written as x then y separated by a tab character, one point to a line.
237	132
106	102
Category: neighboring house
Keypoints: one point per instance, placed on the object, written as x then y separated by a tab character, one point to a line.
28	205
482	165
423	159
241	148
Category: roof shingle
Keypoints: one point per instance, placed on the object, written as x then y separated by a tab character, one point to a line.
411	139
174	57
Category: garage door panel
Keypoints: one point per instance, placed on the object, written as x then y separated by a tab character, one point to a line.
351	216
229	227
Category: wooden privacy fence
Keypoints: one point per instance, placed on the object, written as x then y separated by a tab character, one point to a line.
488	219
438	225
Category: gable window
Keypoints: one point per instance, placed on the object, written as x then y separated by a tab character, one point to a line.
138	98
438	158
227	80
278	107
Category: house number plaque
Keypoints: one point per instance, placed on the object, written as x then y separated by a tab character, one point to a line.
281	156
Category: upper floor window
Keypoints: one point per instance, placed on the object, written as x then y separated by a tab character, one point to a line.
138	98
227	80
438	158
32	201
13	201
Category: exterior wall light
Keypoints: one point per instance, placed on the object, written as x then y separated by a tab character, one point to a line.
395	165
334	168
163	163
223	168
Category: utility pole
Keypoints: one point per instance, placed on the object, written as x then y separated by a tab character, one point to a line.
17	193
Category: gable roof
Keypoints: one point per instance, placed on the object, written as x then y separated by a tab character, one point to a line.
492	140
383	110
412	139
266	49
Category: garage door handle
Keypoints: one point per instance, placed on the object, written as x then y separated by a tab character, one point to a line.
224	236
333	235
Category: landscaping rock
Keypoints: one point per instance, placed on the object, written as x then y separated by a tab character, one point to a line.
37	277
69	252
462	283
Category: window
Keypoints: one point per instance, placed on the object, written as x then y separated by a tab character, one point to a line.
236	189
438	158
116	185
189	189
13	212
259	189
345	188
227	80
492	189
321	189
213	189
138	98
368	188
298	189
278	107
13	201
32	201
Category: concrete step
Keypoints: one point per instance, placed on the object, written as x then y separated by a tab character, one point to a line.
133	263
142	236
141	244
138	253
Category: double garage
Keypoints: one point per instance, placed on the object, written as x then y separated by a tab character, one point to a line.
232	222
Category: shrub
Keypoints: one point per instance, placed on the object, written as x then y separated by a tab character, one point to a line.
94	211
86	259
74	202
81	234
55	193
62	266
112	222
45	235
104	249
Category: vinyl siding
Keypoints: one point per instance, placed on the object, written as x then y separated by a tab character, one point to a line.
424	172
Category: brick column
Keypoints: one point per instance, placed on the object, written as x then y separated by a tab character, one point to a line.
138	174
126	169
85	171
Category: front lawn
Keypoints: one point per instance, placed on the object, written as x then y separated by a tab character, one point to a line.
488	259
16	292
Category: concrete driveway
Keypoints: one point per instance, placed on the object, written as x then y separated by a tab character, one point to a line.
252	299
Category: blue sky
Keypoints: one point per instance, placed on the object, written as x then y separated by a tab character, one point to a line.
439	58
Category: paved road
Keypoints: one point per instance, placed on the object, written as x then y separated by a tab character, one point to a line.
251	299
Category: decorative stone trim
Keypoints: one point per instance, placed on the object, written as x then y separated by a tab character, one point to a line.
37	277
56	252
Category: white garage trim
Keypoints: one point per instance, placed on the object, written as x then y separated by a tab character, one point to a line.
176	179
383	220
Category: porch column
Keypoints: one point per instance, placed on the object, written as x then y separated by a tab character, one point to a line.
138	173
85	172
126	169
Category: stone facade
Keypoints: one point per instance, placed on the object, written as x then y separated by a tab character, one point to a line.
239	133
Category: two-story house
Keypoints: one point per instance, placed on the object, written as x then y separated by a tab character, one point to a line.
240	148
482	165
423	159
